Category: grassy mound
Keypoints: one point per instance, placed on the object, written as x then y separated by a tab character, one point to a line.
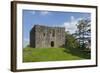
53	54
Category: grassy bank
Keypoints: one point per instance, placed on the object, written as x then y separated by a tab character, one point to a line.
53	54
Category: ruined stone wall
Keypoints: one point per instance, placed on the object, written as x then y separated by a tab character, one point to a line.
32	37
46	37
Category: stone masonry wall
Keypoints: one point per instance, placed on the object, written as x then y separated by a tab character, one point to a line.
46	37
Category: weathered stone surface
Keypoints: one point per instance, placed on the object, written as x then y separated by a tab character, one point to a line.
46	37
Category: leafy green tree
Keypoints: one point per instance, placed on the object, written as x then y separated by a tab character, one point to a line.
83	33
28	45
71	42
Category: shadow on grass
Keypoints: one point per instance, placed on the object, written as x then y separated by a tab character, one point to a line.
78	52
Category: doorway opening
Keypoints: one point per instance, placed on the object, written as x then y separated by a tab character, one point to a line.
52	43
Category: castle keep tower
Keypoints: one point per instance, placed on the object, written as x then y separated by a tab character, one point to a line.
46	37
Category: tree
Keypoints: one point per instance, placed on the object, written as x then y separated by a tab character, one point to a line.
83	33
71	42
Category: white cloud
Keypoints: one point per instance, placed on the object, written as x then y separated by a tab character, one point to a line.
44	12
72	18
33	12
71	25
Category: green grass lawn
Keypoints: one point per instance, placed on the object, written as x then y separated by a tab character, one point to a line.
53	54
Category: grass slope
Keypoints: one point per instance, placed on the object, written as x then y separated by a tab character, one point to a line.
53	54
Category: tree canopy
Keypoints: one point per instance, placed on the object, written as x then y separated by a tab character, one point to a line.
83	33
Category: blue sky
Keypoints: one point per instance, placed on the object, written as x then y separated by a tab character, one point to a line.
50	18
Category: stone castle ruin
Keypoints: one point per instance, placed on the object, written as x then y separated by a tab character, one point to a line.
47	37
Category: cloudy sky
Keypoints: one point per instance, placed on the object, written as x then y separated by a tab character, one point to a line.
50	18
